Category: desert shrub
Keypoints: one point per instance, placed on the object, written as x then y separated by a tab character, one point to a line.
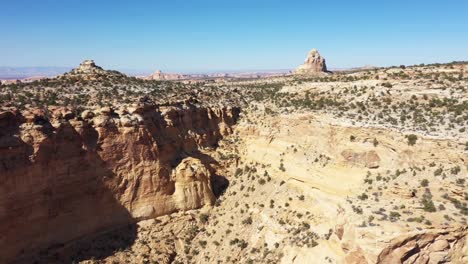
438	172
394	214
203	243
247	221
375	142
428	204
460	181
282	168
357	209
363	196
204	218
412	138
424	183
387	85
455	170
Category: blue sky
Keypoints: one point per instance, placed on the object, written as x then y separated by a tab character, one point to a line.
200	36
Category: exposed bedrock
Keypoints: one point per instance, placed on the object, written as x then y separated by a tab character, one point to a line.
63	177
434	246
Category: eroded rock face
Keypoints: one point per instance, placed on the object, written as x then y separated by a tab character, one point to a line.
63	177
435	246
314	63
192	184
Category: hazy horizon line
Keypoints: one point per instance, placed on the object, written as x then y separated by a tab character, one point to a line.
136	71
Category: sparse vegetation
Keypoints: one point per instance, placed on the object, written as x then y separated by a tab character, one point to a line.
412	139
398	187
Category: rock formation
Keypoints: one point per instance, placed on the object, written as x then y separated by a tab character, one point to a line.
87	67
314	63
369	159
89	70
435	246
65	176
160	76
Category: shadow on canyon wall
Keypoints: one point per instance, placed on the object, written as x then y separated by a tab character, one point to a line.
56	195
59	199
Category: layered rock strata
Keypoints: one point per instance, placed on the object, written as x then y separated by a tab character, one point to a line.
66	175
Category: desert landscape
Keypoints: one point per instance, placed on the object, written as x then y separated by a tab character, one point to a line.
358	166
234	132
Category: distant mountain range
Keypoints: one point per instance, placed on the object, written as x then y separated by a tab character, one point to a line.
7	73
21	73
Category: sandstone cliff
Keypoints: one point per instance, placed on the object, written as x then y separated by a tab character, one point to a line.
64	177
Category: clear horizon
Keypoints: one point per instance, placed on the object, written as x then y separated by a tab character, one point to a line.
210	36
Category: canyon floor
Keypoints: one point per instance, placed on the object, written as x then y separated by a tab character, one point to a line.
365	166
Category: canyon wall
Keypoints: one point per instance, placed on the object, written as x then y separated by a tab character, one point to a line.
64	177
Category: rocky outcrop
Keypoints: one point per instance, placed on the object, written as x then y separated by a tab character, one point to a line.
87	67
66	174
314	63
192	184
88	70
368	159
434	246
160	76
